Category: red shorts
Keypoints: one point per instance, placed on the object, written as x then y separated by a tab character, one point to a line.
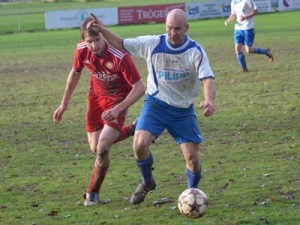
95	107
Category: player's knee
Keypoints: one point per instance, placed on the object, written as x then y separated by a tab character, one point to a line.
248	50
93	148
193	163
141	151
102	162
102	149
102	152
102	157
139	145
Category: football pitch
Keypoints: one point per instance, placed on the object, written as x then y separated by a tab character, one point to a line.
250	157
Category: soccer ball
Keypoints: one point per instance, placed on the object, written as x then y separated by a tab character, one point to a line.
193	203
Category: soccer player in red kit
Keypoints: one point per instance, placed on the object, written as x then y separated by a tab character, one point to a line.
115	85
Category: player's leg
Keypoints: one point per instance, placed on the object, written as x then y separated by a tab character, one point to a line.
142	154
240	57
192	165
263	51
144	162
148	128
126	131
93	138
239	42
92	198
94	123
249	40
94	126
102	162
101	136
186	133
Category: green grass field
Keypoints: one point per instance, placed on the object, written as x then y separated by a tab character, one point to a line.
250	156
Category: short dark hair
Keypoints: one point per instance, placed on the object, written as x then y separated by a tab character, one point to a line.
91	31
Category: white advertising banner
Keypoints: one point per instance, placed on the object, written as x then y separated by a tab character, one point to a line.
221	8
288	5
202	10
264	6
74	18
155	13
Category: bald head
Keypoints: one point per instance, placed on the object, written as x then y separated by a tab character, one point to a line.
176	26
177	15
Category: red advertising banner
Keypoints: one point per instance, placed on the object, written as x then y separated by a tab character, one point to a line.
146	14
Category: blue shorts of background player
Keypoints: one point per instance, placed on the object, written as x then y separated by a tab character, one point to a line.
244	37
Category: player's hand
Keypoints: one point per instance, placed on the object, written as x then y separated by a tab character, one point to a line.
57	115
226	23
110	114
95	22
208	107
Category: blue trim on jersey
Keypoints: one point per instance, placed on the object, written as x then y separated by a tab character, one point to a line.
201	79
162	47
237	1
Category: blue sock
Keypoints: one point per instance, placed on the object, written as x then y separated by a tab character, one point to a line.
260	51
241	60
145	167
193	179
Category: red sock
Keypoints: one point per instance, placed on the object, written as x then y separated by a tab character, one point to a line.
125	132
97	178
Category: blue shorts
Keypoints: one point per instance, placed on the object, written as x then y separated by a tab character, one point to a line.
181	123
244	37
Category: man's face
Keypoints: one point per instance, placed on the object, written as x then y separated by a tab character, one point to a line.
176	31
95	44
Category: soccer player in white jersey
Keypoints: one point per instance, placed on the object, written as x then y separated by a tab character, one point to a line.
244	11
177	65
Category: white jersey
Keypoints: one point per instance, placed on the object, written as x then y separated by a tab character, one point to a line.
174	73
241	8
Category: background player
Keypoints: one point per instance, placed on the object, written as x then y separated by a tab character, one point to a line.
244	11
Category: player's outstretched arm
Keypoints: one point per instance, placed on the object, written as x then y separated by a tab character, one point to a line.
112	39
71	84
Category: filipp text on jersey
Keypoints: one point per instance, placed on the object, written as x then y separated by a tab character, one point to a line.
172	76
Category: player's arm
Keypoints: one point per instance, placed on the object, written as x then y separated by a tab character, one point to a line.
209	96
71	84
112	39
249	15
137	91
229	19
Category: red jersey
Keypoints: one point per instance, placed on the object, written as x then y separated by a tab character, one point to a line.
111	74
